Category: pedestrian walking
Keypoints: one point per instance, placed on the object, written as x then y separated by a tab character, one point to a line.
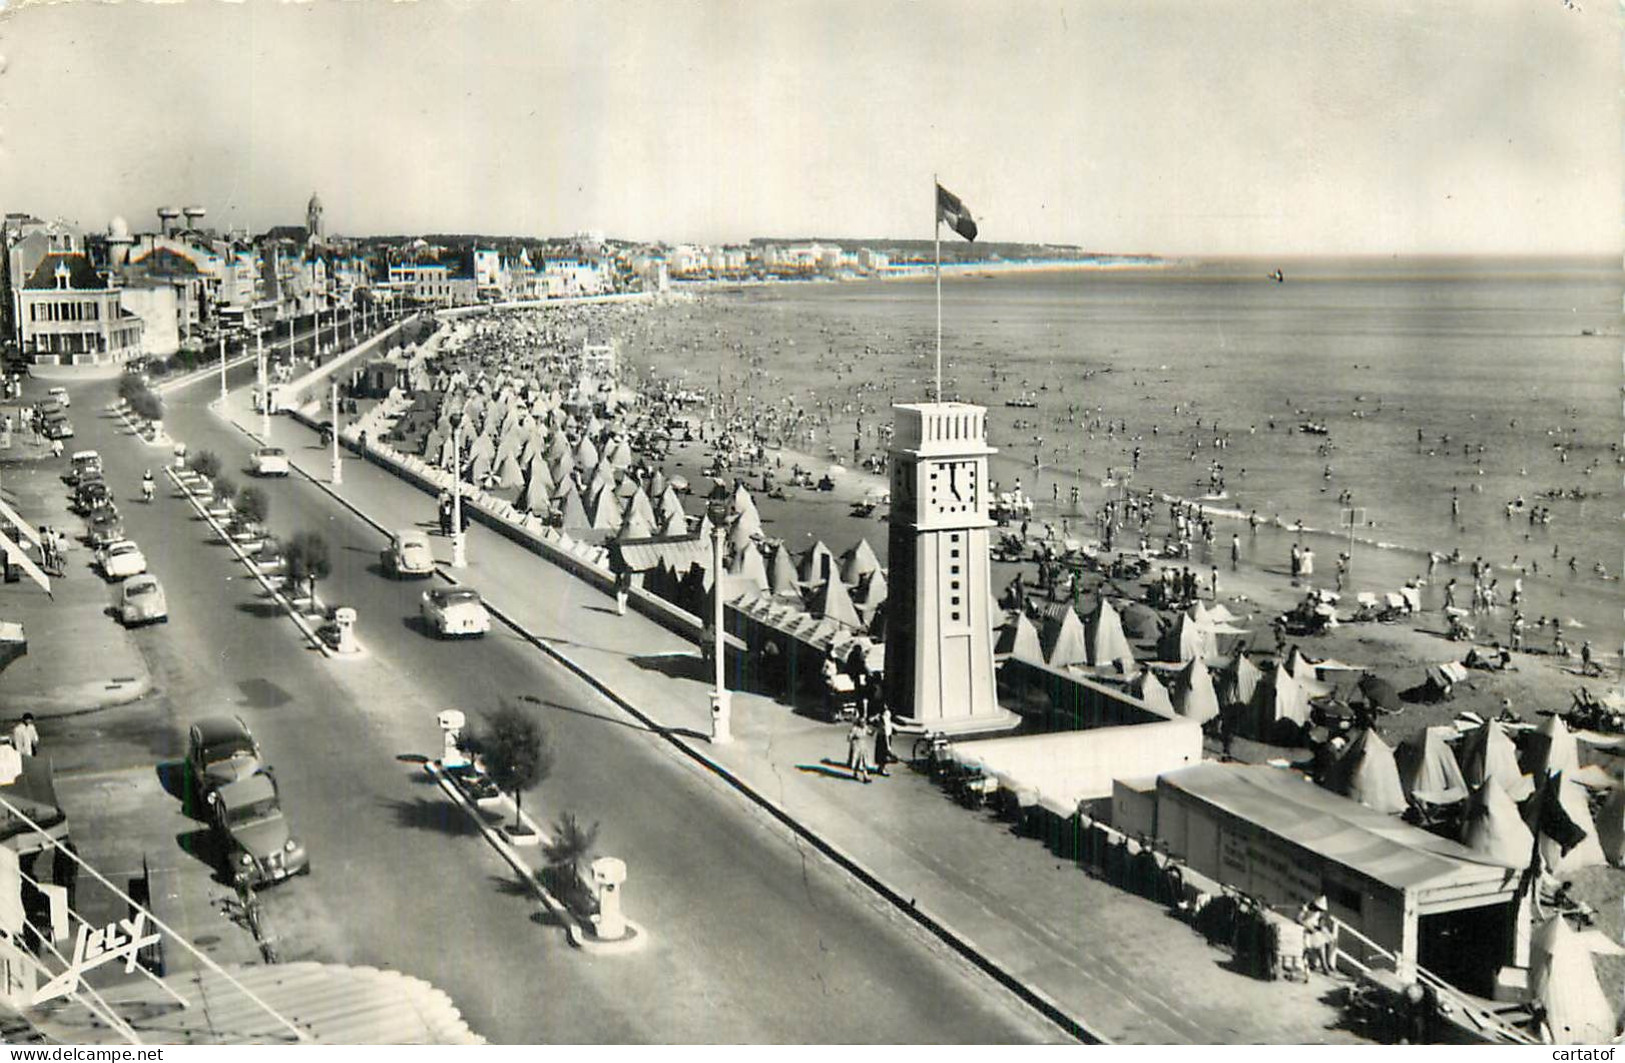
25	736
1235	552
857	749
885	727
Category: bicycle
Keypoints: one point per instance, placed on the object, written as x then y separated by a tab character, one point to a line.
930	752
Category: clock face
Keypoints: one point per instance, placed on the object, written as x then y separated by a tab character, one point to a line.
953	487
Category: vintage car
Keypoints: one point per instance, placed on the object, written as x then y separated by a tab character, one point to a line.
141	601
219	750
105	526
60	394
121	560
91	491
449	611
82	465
258	847
408	554
58	427
270	461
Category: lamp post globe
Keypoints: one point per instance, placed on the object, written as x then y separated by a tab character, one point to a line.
717	507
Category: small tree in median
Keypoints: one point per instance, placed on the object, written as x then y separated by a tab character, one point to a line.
253	507
515	751
207	464
308	560
571	848
225	489
148	405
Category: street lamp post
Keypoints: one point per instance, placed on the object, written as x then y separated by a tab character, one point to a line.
459	545
222	367
265	391
721	702
338	467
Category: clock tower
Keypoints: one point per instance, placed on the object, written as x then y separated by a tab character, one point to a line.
939	624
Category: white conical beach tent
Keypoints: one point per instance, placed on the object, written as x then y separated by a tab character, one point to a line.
1239	683
1563	981
781	575
603	513
1063	640
1428	770
509	474
1491	827
858	562
833	603
670	503
1019	639
1145	687
1588	853
639	503
1187	640
1366	772
1487	753
1192	693
748	565
1107	643
572	515
871	592
817	564
634	525
675	525
1552	748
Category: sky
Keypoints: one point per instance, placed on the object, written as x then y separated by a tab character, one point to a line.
1200	127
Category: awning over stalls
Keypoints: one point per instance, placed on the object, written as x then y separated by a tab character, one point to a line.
1062	769
332	1004
1381	847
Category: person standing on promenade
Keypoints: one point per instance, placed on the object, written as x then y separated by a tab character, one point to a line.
25	736
1235	552
885	727
857	749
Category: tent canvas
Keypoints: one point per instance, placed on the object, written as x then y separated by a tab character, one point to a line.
1428	769
1019	639
1063	640
1239	682
1193	695
1145	687
1563	979
1492	829
1366	772
1487	753
1551	748
1571	796
1107	643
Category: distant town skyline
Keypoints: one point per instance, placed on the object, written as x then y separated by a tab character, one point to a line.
1227	128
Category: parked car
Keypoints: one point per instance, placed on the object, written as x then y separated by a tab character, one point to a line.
142	601
121	559
105	526
270	461
58	427
220	750
91	493
449	611
408	554
84	464
61	396
259	847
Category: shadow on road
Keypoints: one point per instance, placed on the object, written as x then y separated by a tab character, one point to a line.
829	768
431	814
261	608
675	665
205	846
629	724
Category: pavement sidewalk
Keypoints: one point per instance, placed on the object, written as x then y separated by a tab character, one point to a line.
1119	965
79	658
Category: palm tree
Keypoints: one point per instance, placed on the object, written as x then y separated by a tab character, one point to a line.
571	848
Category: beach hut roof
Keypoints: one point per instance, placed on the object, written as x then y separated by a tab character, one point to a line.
858	562
1491	828
1193	695
1019	639
1428	770
1063	640
1367	773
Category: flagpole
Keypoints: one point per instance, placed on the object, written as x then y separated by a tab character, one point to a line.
936	215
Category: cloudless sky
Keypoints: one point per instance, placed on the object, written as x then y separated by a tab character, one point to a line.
1191	127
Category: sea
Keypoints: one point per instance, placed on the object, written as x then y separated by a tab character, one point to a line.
1493	382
